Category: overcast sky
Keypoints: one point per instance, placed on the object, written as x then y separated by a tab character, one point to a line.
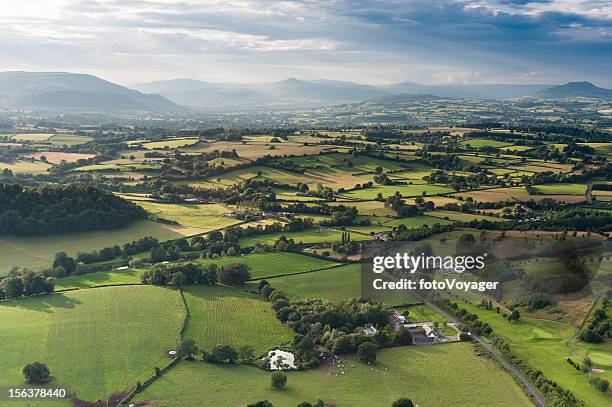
380	41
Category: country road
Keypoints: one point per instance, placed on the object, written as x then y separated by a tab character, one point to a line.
532	390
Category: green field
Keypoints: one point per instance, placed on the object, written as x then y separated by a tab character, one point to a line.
171	143
224	315
32	136
417	221
204	218
408	190
305	236
26	167
95	342
118	277
561	189
479	143
463	217
541	344
424	313
69	139
37	252
432	376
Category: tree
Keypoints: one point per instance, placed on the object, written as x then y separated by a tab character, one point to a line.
187	349
62	260
278	380
262	403
515	315
178	279
36	373
403	336
12	287
305	404
403	402
367	352
246	352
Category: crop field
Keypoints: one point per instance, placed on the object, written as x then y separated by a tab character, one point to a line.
479	143
200	218
171	143
561	189
305	236
68	139
95	342
37	252
351	384
32	136
224	315
55	157
541	344
408	190
26	167
463	217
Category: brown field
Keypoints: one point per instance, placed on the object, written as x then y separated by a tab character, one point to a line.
55	157
515	193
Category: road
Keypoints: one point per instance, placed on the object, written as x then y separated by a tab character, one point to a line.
530	388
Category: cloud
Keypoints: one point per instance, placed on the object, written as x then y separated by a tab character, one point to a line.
373	41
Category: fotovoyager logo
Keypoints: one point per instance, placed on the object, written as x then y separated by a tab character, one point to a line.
411	264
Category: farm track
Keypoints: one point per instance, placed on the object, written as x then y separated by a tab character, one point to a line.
526	383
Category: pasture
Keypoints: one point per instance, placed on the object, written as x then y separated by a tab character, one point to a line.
33	137
561	189
305	236
37	252
224	315
514	194
398	372
26	167
417	188
171	143
68	139
480	143
253	150
200	218
95	342
55	157
463	217
541	344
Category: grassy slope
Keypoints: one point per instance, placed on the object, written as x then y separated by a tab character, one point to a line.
427	374
204	217
541	344
224	315
95	342
37	252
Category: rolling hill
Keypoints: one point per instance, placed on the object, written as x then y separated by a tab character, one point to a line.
50	91
575	89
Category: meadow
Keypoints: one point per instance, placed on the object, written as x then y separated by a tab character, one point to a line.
305	236
463	217
399	372
171	143
541	344
479	143
37	252
55	157
26	167
95	342
415	189
68	139
561	189
225	315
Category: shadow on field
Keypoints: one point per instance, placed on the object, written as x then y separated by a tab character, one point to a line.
43	303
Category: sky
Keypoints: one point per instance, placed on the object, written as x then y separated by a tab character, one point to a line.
376	42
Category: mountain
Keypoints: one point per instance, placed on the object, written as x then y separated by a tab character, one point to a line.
480	91
50	91
575	89
290	92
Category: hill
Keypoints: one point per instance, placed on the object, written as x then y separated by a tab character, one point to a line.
575	89
50	91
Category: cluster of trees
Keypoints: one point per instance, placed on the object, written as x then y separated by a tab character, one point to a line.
403	233
402	402
320	324
345	216
400	207
294	225
37	373
109	253
187	166
468	322
23	283
599	328
61	209
179	274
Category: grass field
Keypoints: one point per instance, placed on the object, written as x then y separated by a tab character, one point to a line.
305	236
514	193
254	150
95	342
118	277
37	252
426	374
417	221
479	143
416	189
203	218
561	189
69	139
32	136
171	143
26	167
55	157
224	315
463	217
424	313
335	284
541	344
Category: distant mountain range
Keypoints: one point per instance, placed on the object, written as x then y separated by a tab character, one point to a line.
62	91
